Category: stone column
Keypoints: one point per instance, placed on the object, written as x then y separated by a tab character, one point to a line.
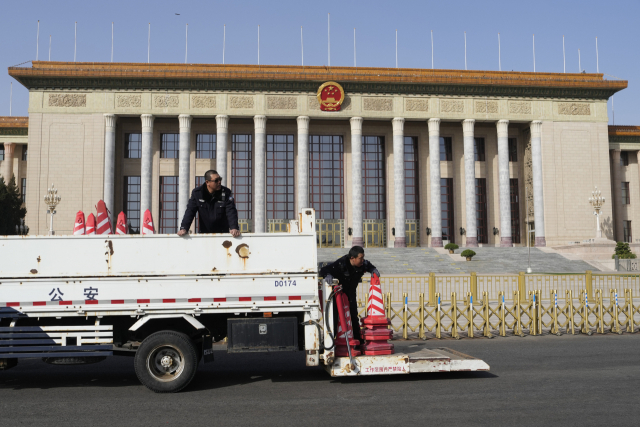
398	181
260	191
617	197
356	181
7	164
184	165
470	182
504	184
109	162
222	122
302	178
434	176
146	164
538	196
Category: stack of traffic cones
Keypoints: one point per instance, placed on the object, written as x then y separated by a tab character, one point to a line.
375	327
147	223
79	226
121	226
342	302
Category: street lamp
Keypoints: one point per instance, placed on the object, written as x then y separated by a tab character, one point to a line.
597	200
51	200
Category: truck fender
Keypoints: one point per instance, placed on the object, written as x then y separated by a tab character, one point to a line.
193	321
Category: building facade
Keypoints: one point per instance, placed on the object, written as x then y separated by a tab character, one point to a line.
413	157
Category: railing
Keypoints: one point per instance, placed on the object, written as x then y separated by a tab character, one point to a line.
246	225
330	233
412	232
374	233
278	225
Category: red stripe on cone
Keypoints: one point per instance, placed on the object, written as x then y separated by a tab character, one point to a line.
147	223
79	225
103	220
121	226
91	225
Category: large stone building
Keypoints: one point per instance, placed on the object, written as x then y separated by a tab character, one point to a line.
413	157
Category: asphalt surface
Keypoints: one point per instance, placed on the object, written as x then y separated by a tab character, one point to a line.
546	380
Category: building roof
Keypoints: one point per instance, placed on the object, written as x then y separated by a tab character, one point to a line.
620	134
98	75
14	126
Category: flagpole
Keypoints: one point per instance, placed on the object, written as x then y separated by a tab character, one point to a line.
149	44
534	53
224	40
354	48
579	63
38	40
10	98
396	48
258	44
329	38
465	50
111	41
597	58
75	41
432	49
302	45
564	58
49	47
499	58
186	44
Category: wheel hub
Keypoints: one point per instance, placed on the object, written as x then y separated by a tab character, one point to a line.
166	361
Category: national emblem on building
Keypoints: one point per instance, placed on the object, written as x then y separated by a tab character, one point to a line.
330	96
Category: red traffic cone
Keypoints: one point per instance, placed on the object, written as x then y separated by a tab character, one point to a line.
79	226
375	331
91	225
147	223
104	222
121	225
345	328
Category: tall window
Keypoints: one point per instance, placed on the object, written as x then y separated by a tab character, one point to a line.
446	199
169	145
624	158
1	152
280	169
373	194
411	205
241	146
327	176
168	204
132	145
625	194
515	210
446	155
24	152
626	228
199	182
23	191
131	202
481	210
478	149
206	146
513	150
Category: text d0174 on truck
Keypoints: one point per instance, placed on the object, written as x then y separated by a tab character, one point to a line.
163	299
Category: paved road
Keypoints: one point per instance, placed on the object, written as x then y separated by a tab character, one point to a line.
488	260
547	380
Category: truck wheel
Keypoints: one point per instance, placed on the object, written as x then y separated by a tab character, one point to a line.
166	361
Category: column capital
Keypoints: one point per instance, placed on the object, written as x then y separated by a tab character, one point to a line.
434	127
110	122
536	128
398	125
468	126
260	123
222	122
303	123
185	122
356	124
503	128
147	122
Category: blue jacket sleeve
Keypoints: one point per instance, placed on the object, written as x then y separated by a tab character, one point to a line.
232	212
190	212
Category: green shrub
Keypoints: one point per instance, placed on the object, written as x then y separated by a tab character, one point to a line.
468	253
451	246
623	251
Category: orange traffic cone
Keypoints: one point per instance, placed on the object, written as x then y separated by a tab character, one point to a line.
79	226
91	225
375	330
147	223
104	222
121	226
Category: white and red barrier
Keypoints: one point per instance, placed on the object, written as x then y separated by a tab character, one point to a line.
121	225
147	223
104	221
91	225
79	225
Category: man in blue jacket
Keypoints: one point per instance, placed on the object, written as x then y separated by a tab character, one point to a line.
215	206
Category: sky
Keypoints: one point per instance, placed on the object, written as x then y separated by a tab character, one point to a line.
614	23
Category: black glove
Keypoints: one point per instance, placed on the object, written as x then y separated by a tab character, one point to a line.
329	279
376	272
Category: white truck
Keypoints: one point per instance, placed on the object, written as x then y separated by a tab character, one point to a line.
164	299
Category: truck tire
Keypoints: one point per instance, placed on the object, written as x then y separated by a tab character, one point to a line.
166	361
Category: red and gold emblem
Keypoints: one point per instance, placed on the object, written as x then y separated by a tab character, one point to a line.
330	96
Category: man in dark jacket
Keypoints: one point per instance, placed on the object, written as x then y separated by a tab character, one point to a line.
349	271
215	206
